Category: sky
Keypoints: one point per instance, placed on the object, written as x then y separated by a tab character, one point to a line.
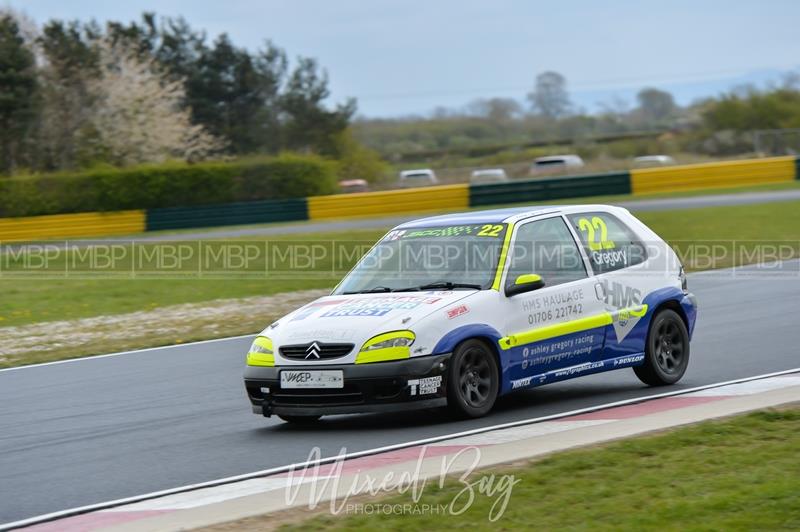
400	57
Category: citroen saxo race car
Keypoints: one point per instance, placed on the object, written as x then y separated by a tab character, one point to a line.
457	310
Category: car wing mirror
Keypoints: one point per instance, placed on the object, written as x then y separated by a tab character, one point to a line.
525	283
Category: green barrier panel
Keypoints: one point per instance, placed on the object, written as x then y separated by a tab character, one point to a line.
797	168
251	212
544	189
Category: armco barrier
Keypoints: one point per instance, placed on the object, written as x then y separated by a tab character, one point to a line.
430	199
714	175
84	224
251	212
550	189
445	197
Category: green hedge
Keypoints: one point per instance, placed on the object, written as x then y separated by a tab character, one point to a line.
168	185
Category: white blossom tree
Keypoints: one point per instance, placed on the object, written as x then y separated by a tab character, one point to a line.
138	114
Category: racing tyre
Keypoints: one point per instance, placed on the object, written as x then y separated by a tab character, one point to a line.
667	351
300	420
473	380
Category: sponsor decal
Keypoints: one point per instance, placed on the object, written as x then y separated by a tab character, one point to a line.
395	235
521	383
426	386
619	295
322	334
457	311
559	306
622	297
628	360
559	350
611	259
297	376
378	306
553	300
580	368
312	307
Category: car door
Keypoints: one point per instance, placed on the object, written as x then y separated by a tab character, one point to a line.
560	325
618	258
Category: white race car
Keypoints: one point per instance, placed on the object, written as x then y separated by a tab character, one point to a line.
457	310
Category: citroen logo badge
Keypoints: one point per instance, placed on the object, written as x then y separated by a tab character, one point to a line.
312	351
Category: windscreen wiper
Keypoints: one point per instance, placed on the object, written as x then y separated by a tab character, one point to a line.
439	285
374	290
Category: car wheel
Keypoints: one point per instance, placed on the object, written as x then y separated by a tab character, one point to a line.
473	380
667	351
300	420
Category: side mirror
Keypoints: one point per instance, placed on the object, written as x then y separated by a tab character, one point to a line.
525	283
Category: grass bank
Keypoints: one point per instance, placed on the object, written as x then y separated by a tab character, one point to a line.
737	474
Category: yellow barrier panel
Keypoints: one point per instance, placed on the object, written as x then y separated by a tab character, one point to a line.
389	202
71	225
713	175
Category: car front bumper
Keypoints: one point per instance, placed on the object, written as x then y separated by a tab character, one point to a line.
378	387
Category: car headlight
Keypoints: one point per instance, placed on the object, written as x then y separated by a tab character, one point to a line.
260	353
395	345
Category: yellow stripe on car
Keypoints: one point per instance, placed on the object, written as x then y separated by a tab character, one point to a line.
501	264
569	327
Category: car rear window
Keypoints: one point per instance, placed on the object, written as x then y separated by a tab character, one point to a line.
609	243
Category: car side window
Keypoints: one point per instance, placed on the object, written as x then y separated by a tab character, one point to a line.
609	243
546	248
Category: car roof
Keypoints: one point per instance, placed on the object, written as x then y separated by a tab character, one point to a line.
488	171
415	172
512	214
570	156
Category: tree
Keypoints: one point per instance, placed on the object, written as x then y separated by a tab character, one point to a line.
71	63
308	124
18	93
356	161
550	97
655	105
496	109
235	95
138	115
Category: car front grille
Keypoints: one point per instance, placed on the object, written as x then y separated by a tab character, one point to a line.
315	351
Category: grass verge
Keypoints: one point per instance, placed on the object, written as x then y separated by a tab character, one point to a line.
737	474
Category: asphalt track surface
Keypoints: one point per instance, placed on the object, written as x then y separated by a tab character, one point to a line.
93	430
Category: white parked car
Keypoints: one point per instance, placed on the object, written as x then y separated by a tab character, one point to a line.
553	164
457	310
646	161
488	175
418	178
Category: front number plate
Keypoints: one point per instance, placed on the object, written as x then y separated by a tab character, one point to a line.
312	379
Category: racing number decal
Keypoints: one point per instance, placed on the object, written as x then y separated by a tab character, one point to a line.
490	230
591	228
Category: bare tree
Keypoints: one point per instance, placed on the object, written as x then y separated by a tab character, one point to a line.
138	115
550	97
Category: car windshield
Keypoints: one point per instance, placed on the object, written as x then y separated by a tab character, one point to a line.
429	258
